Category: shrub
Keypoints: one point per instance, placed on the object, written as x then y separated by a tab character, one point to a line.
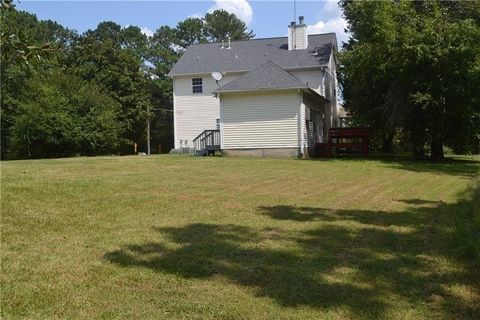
63	115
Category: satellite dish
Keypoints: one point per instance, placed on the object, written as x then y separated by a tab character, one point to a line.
217	76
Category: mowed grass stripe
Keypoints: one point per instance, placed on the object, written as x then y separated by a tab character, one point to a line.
224	238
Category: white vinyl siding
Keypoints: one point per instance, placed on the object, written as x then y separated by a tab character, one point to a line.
291	35
325	84
260	120
297	37
195	112
301	38
190	122
302	130
313	78
334	88
317	116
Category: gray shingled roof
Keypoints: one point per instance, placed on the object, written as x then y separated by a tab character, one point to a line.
268	76
249	54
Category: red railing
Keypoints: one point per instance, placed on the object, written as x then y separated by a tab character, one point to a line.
345	141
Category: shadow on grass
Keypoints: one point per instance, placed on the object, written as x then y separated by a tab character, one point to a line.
362	261
450	166
237	253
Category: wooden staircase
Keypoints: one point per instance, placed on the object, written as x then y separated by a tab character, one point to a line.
207	142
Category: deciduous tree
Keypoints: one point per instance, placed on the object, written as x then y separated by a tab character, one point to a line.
220	25
415	66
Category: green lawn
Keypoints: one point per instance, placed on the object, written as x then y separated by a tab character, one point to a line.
173	237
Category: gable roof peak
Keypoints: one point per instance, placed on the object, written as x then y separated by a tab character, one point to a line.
267	76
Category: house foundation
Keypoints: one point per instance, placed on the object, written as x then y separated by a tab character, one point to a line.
263	153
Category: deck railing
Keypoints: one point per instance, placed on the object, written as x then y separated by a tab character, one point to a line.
207	142
345	141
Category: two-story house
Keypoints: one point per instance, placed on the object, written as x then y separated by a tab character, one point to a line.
266	97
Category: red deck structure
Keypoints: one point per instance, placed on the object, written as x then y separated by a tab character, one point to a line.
345	141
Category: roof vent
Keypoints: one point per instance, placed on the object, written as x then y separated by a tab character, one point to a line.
301	19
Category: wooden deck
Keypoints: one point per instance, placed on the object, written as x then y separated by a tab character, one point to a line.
343	141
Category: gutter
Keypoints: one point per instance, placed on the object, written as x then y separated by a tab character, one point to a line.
308	90
171	75
259	89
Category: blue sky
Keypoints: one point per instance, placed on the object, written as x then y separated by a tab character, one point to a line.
267	18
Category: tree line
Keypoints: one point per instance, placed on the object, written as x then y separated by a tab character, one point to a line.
64	93
411	72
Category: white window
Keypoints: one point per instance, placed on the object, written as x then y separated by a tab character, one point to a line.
197	85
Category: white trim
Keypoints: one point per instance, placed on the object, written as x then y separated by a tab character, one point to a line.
260	90
174	118
260	148
301	122
221	121
323	82
320	66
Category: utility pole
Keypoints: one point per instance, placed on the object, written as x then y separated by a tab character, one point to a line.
148	130
148	123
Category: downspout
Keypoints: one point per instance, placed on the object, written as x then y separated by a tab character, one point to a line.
301	124
174	115
323	82
219	96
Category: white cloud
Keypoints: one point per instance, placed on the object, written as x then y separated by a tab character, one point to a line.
196	15
176	48
335	24
146	31
330	6
241	8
